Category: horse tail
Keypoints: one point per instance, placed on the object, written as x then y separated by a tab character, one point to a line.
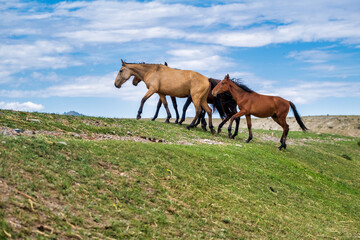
298	118
218	106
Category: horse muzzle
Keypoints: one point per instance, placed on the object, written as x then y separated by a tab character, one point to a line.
214	93
117	86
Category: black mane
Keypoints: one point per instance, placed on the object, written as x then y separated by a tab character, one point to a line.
239	83
148	63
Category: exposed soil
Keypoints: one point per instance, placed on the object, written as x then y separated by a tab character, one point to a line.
343	125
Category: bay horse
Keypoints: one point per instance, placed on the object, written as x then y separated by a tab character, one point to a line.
164	80
252	103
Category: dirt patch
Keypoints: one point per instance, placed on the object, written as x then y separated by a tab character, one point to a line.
343	125
92	136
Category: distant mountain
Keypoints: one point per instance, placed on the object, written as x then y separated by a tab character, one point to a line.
73	113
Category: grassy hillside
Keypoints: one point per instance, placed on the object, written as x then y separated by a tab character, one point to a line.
84	177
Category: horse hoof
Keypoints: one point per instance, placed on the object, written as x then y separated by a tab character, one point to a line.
188	127
153	119
138	117
232	137
219	130
212	131
167	121
176	122
204	128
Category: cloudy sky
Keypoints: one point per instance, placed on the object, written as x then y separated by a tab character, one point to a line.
57	56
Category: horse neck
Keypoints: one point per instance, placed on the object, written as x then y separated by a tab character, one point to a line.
237	92
140	70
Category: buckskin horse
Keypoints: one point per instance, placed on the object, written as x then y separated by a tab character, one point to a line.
252	103
224	106
168	81
136	81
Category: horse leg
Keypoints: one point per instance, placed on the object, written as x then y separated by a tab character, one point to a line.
186	105
223	122
285	127
282	122
208	110
173	99
237	120
148	94
202	113
232	111
203	121
275	118
157	110
236	115
163	99
248	121
196	102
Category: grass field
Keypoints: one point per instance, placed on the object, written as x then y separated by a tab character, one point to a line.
84	177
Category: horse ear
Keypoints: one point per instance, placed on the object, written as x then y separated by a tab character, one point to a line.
123	63
227	76
165	64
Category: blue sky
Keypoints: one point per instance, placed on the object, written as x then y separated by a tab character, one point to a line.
57	56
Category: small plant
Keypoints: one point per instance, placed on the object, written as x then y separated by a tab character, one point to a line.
347	157
226	220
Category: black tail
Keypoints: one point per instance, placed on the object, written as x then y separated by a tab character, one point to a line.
298	118
217	105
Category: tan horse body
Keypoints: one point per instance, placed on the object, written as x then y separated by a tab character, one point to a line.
168	81
263	106
136	81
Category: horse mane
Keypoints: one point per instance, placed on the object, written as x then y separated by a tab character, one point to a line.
213	82
144	63
240	84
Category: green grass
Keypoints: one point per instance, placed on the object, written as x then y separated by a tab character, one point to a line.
143	190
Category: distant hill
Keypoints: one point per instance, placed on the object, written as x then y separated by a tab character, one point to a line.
73	113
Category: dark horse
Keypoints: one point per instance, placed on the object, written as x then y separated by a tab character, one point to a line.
224	104
252	103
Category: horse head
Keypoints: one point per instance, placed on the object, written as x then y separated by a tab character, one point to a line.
123	75
222	86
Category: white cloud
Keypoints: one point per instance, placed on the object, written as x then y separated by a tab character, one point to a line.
15	58
204	58
122	35
326	63
85	86
305	93
311	56
227	24
26	106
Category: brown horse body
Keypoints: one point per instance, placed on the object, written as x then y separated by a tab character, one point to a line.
252	103
168	81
